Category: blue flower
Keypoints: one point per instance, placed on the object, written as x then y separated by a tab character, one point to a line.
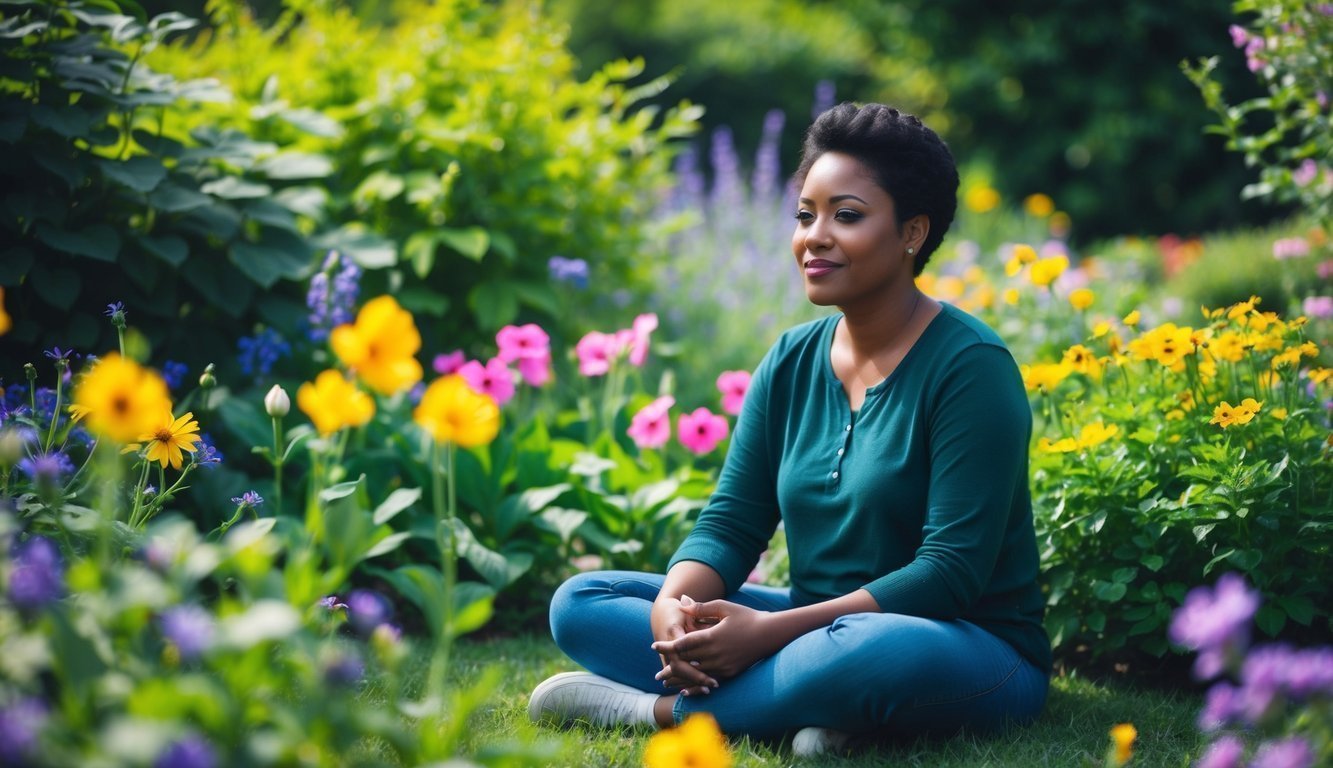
115	308
189	628
332	295
21	724
208	455
258	353
47	469
250	499
346	669
38	577
572	271
174	373
189	752
367	609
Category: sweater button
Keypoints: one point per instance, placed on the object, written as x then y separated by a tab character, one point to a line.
835	474
839	451
847	428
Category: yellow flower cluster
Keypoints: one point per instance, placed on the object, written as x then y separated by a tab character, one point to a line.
1226	415
1091	435
124	402
697	743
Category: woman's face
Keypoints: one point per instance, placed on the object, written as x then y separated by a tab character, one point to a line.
847	241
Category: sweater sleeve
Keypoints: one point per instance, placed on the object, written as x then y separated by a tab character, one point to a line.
740	517
979	424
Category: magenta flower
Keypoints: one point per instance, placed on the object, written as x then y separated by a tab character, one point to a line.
595	351
450	363
643	327
1239	35
733	385
1305	173
520	342
1318	306
494	379
1290	248
1215	622
701	431
536	371
651	426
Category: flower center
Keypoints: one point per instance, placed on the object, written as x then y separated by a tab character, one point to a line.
120	405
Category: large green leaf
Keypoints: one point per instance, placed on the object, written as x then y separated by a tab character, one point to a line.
174	198
96	242
295	165
500	570
494	304
399	500
57	287
367	249
141	174
272	259
169	248
234	188
471	242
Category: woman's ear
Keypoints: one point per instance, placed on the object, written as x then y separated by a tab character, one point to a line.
915	231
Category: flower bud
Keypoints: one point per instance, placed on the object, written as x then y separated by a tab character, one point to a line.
30	371
206	379
277	403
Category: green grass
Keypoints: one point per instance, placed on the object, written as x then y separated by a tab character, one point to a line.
1073	731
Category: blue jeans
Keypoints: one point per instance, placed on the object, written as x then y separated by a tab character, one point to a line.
866	672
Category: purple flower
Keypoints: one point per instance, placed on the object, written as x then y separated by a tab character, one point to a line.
332	295
1220	705
208	455
250	499
767	165
174	373
38	577
1239	35
1309	672
258	353
1215	622
331	603
450	363
189	752
1318	306
1226	752
825	92
1292	752
367	609
572	271
114	309
46	469
346	669
21	724
189	628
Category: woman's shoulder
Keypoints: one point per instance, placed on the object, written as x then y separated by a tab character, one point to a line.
960	330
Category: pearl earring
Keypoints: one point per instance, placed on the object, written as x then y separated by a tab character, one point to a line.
909	251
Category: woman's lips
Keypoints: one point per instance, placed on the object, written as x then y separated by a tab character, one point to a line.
819	267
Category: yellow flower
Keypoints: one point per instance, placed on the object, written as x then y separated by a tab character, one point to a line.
1059	224
948	288
1044	271
1319	375
696	743
1082	359
1044	376
1225	415
1039	205
1063	445
333	402
974	274
1310	349
1081	298
1289	356
119	399
981	198
1240	310
1101	329
452	412
1279	413
1167	344
1022	254
1010	296
5	321
381	346
1096	434
1122	740
1132	319
1229	346
1186	400
169	436
925	282
1175	414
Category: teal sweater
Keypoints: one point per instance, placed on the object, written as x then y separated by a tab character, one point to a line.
920	497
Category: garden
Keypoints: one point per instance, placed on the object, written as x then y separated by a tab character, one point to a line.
334	336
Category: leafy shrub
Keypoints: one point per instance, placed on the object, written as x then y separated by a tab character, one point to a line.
103	205
464	154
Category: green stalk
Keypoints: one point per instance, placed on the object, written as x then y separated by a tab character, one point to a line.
278	457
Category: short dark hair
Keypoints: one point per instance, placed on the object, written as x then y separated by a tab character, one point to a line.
909	161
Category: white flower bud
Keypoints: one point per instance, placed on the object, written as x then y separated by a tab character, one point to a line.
277	403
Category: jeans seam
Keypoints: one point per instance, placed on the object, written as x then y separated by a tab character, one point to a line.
918	704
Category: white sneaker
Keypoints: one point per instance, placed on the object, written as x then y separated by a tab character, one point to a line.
589	698
812	741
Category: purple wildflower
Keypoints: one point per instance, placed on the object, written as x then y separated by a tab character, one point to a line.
345	669
208	455
116	311
1318	306
1226	752
1215	622
727	188
1220	706
189	752
250	499
21	724
1292	752
825	93
174	373
332	295
572	271
689	191
1309	672
38	577
367	609
189	628
767	166
331	603
46	469
258	353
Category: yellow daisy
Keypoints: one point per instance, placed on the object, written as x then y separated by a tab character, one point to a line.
169	436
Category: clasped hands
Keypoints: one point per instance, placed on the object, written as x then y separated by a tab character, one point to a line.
702	644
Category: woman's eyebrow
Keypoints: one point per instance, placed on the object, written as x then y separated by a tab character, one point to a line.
835	199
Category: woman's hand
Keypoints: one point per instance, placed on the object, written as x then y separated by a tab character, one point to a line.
728	638
671	621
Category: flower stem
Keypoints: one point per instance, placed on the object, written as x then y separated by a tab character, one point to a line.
278	457
444	496
55	415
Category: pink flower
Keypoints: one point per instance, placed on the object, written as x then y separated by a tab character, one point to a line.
651	426
518	342
1305	173
1239	35
494	379
447	364
733	385
536	371
1324	269
1318	306
643	327
596	351
701	431
1290	248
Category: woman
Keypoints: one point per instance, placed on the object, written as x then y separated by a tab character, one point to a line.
891	440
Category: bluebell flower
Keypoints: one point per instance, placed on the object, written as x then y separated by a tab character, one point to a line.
38	577
367	609
189	752
258	353
189	628
21	723
47	469
174	373
250	499
572	271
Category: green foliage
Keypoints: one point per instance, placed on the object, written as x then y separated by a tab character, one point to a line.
1233	266
102	205
463	153
1284	133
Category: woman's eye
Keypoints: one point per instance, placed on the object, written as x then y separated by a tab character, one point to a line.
847	214
804	215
